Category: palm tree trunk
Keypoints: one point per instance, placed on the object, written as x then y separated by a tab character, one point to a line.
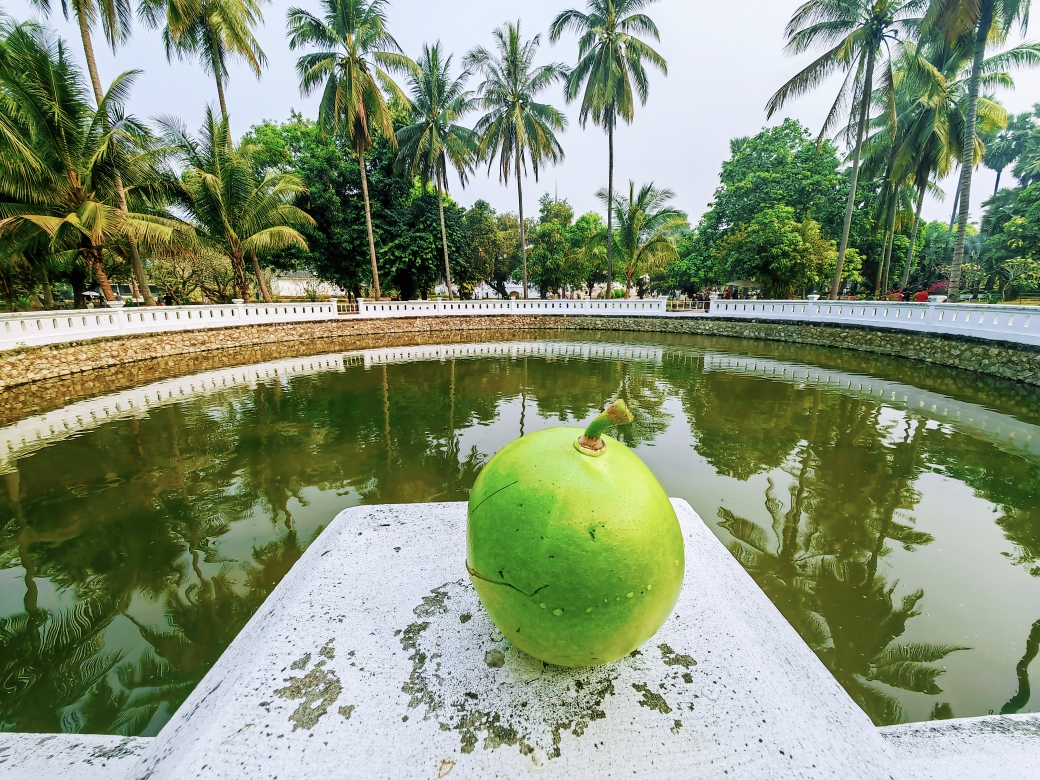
368	224
913	235
968	158
135	255
880	290
239	269
260	280
99	95
102	277
956	206
88	51
996	187
888	260
610	208
868	88
45	285
218	75
523	230
891	238
444	235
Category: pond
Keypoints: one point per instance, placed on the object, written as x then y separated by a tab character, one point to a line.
890	509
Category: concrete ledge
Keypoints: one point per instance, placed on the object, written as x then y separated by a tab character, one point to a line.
374	659
1001	746
67	756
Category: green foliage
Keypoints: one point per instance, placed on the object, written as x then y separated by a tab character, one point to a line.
62	159
646	231
780	166
779	186
783	255
245	214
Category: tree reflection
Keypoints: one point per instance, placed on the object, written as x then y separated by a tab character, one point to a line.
1021	698
138	551
827	584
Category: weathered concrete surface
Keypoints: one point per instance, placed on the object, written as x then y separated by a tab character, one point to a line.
374	659
1001	746
67	756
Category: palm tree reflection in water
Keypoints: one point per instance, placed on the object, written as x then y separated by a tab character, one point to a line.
830	591
138	551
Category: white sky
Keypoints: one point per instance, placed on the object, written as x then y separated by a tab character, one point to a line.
725	60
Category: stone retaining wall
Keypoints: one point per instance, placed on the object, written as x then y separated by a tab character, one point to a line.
149	357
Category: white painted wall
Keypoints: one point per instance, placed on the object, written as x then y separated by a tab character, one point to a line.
1016	324
57	327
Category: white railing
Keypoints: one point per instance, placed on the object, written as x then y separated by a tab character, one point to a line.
34	433
644	307
1016	324
55	327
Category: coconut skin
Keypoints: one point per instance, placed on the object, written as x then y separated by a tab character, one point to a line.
576	554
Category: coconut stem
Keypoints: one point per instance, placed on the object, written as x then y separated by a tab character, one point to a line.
616	414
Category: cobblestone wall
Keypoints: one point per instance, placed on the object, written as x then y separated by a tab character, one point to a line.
79	366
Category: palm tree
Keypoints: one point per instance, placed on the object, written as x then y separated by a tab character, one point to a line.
1028	168
1001	150
214	31
986	21
646	229
230	206
516	129
931	92
856	33
63	160
435	138
356	54
114	16
612	68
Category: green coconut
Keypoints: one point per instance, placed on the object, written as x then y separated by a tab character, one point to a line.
573	546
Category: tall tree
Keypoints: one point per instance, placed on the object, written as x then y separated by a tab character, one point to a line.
62	157
987	21
516	128
245	215
856	34
931	98
646	230
1001	150
612	70
114	17
352	69
213	31
435	138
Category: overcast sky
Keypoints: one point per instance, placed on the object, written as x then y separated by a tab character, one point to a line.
725	60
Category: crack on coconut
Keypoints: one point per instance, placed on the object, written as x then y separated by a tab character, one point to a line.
491	496
319	689
504	698
474	573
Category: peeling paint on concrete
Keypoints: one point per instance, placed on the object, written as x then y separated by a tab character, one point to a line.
319	689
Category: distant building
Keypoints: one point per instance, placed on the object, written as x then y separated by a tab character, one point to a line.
298	284
484	290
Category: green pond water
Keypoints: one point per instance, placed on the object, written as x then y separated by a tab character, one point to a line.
891	510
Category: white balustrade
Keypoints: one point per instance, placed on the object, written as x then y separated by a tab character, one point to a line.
619	307
55	327
1016	324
